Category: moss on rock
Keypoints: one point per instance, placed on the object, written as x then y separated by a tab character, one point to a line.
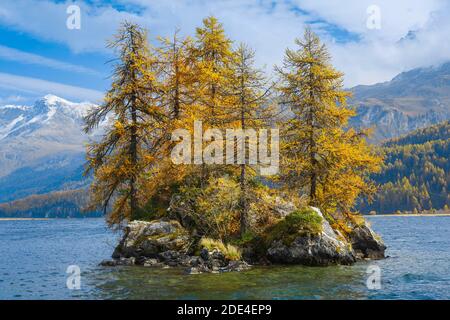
298	223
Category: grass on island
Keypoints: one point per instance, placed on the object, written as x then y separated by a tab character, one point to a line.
231	252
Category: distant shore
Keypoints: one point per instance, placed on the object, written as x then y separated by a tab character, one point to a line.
14	219
366	215
410	215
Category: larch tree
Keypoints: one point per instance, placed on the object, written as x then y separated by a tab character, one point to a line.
178	97
136	134
214	57
177	74
251	91
321	157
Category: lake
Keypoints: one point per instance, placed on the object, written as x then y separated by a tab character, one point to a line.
35	255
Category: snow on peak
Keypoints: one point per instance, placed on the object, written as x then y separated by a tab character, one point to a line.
49	111
52	105
51	99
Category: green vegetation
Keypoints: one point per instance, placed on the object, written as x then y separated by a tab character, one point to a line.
415	176
298	223
231	252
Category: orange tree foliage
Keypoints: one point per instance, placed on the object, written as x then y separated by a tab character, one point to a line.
157	90
136	136
320	156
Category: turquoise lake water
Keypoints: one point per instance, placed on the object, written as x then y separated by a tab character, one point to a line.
35	255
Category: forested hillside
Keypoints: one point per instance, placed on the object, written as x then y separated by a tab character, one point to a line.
415	175
60	204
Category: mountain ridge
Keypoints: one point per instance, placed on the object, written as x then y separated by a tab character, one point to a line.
42	147
412	100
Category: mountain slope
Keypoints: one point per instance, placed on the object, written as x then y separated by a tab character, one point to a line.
412	100
416	173
58	204
42	147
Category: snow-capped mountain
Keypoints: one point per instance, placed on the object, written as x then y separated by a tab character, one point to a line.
42	146
412	100
50	112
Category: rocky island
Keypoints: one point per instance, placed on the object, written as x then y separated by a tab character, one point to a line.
166	243
188	169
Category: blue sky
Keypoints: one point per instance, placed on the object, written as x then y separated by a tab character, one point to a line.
40	55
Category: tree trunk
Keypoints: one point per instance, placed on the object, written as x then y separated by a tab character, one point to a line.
243	202
312	145
133	159
177	82
243	195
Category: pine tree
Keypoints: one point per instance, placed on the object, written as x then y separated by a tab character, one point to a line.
320	156
133	142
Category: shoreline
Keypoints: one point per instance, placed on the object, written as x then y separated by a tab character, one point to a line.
26	219
365	215
409	215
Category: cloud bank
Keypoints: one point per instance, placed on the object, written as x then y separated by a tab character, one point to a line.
42	87
413	33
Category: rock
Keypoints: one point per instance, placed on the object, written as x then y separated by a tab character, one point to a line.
195	261
282	208
304	238
204	254
175	258
119	262
325	248
216	256
108	263
231	266
148	239
366	244
213	260
236	266
162	243
151	263
311	251
193	270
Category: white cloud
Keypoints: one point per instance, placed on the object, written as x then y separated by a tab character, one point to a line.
42	87
15	55
266	25
397	17
381	54
12	99
47	20
379	58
